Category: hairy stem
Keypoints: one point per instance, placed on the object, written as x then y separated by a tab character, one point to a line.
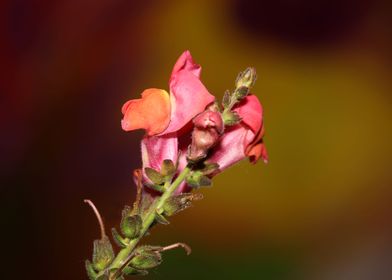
125	255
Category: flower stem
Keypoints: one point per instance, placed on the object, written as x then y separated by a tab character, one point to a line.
124	256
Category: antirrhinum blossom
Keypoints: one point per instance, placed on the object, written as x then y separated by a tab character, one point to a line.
191	128
190	137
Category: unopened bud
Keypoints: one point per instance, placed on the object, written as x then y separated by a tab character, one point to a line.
208	128
103	254
146	258
246	78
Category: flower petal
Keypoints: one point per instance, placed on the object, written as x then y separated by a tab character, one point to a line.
256	148
185	62
251	112
231	148
151	112
156	149
188	96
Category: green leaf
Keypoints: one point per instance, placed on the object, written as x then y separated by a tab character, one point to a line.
91	273
102	254
118	239
131	226
168	168
155	177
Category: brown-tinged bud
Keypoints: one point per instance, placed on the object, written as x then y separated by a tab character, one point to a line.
208	128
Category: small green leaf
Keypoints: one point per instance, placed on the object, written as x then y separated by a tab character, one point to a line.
91	273
226	99
168	168
155	177
131	226
102	254
118	239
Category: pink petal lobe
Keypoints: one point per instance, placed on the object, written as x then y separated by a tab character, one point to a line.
156	149
185	62
231	148
188	96
251	112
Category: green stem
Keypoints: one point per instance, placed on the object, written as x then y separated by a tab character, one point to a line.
123	256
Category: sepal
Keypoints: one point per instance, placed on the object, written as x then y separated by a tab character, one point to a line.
197	179
102	254
118	239
155	177
168	169
180	202
231	118
146	257
161	219
91	273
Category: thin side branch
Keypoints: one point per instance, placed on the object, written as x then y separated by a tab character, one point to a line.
186	247
99	218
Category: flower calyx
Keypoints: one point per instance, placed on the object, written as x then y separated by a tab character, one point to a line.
159	178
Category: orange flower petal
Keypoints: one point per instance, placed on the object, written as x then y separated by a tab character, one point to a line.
151	112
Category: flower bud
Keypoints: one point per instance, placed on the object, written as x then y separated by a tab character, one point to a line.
208	128
103	254
246	78
146	258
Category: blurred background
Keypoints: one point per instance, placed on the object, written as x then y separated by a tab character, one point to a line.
321	209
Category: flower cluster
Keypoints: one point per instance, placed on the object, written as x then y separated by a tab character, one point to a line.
170	119
190	137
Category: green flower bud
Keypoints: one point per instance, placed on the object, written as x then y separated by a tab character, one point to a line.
146	258
131	226
246	78
102	254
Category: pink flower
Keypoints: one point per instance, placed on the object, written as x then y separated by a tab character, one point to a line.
167	120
